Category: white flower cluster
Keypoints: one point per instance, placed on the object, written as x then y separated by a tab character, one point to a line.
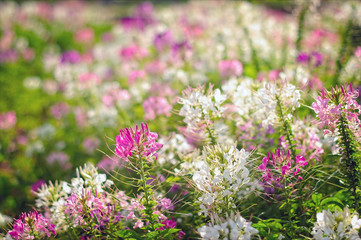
337	225
53	196
200	108
268	98
241	95
220	175
174	145
232	228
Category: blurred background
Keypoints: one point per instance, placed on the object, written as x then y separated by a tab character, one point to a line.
72	73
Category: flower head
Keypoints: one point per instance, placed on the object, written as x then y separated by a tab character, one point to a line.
329	107
32	224
138	142
336	225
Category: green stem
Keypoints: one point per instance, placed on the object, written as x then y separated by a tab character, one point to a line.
301	23
147	205
351	164
286	128
210	135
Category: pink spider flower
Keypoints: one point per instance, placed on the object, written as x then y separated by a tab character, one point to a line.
156	106
30	225
330	105
77	207
138	142
279	168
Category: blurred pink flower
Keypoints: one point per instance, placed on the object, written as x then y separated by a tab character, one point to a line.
90	144
230	68
133	52
109	164
156	106
85	35
136	75
61	158
59	110
7	120
88	80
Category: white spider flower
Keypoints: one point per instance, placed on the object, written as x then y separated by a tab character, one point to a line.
221	173
337	225
234	227
269	98
200	107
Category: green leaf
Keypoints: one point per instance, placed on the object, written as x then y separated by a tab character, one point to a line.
316	198
332	201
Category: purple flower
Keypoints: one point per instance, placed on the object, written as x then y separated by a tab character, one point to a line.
303	58
8	56
38	184
180	46
280	166
59	110
142	17
317	58
71	57
163	40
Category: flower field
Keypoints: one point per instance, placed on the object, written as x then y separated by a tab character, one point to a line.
180	120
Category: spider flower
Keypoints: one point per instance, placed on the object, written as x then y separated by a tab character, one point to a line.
30	225
279	169
138	142
329	107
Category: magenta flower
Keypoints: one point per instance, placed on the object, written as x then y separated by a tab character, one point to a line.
30	225
138	142
37	185
280	169
70	57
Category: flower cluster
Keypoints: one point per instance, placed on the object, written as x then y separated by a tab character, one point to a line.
337	225
329	107
137	142
280	170
200	107
220	174
31	225
272	98
233	227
